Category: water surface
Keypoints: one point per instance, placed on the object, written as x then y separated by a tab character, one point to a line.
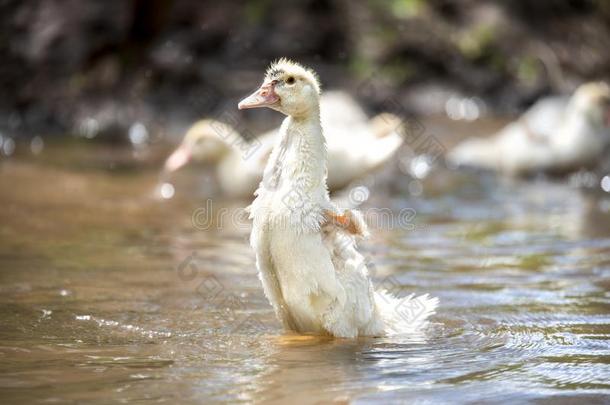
109	294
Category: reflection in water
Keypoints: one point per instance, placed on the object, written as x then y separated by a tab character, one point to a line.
109	294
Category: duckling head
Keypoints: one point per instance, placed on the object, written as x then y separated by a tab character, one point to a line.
204	142
289	88
593	101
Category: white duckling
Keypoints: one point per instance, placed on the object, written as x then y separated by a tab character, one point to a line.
239	163
357	146
555	136
311	272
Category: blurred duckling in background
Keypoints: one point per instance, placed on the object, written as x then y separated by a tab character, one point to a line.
238	162
556	136
356	147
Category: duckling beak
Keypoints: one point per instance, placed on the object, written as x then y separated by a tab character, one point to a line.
265	96
177	159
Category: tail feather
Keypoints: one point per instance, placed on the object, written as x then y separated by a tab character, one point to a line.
379	150
404	315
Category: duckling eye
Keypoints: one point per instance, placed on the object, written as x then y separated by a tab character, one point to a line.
290	80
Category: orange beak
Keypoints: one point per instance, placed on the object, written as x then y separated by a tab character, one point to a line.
177	159
265	96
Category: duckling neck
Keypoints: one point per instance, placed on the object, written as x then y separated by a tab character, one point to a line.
578	131
305	160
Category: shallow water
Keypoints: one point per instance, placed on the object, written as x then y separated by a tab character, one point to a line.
109	294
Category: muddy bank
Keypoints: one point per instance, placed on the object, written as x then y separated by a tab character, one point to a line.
97	68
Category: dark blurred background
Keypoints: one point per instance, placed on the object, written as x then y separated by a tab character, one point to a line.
96	67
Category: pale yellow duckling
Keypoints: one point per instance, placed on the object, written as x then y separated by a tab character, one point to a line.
553	136
239	163
308	262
